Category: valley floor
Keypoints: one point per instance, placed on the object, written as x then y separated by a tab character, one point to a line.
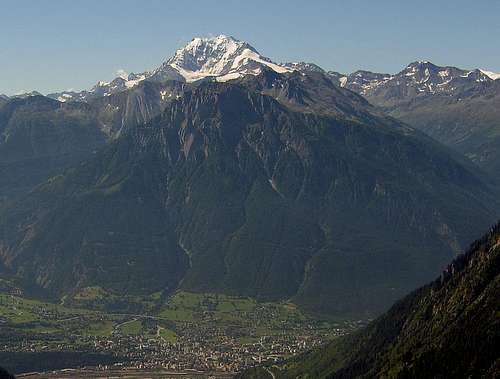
201	332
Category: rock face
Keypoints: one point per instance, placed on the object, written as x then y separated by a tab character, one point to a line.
447	329
275	186
459	108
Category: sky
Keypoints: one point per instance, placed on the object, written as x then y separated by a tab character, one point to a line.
50	45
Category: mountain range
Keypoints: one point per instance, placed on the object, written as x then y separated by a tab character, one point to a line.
221	171
446	329
220	58
455	106
460	108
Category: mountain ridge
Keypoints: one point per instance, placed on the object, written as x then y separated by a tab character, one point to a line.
459	108
224	58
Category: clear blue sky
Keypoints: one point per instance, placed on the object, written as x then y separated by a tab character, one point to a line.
50	45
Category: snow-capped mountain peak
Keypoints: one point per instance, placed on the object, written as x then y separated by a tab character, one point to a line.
210	55
221	57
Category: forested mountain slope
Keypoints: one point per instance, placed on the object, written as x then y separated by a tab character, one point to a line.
447	329
276	186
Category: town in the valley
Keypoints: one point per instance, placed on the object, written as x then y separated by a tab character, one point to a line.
201	335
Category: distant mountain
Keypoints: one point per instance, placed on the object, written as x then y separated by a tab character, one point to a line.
219	58
447	329
304	66
276	186
25	95
460	108
417	80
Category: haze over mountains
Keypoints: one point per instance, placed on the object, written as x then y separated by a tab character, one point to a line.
222	171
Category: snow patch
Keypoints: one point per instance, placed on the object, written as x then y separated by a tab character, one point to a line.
221	57
491	75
